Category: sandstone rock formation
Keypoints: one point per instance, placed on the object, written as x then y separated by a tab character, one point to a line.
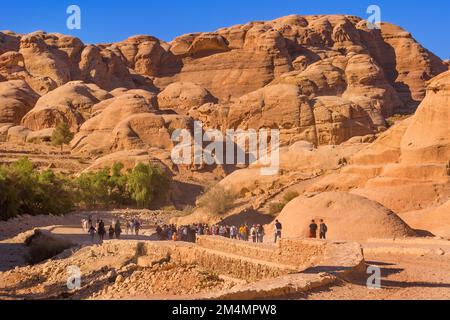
434	220
406	169
182	96
348	217
336	79
127	122
16	99
71	103
129	159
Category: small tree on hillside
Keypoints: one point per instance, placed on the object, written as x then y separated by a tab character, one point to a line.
62	135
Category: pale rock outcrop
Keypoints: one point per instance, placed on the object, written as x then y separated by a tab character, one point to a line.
16	99
427	139
348	217
147	130
129	159
182	96
406	168
435	220
95	134
71	103
18	134
323	120
41	136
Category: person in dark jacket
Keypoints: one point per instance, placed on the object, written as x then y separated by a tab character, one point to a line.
313	229
323	230
101	230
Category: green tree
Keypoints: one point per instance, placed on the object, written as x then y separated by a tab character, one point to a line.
61	135
147	183
94	188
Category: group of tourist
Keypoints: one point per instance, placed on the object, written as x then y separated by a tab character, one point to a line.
188	233
133	226
174	233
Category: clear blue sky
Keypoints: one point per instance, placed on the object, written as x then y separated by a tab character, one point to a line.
114	20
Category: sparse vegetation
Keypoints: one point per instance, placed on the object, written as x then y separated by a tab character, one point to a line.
289	196
276	207
62	135
217	200
25	190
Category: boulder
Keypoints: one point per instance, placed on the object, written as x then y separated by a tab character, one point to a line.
182	96
348	217
16	100
71	103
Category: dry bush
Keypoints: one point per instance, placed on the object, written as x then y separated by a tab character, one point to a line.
277	207
217	200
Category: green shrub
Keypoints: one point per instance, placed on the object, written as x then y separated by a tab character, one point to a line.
217	200
147	183
24	190
61	135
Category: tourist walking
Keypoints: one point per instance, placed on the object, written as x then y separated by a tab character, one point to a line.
323	230
233	232
111	232
101	230
313	229
137	227
253	233
260	233
128	228
117	229
92	233
278	229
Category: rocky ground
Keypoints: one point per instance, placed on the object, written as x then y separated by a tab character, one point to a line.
403	278
417	268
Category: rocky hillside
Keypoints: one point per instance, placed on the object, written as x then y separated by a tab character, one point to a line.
324	79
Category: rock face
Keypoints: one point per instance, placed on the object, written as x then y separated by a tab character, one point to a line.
71	103
427	139
322	78
406	168
127	122
16	99
348	217
434	220
182	96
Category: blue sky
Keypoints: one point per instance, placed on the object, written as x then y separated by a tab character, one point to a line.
115	20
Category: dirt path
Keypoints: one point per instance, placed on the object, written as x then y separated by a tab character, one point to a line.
403	278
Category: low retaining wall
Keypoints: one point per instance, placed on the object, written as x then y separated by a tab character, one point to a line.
296	253
241	267
248	261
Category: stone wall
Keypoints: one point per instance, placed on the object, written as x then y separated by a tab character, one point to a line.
248	261
298	253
